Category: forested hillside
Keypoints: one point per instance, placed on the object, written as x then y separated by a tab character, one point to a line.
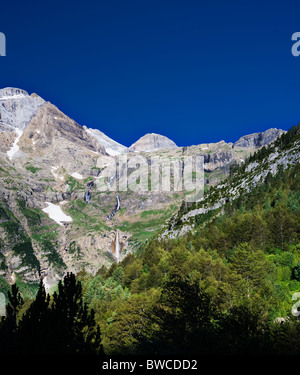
219	288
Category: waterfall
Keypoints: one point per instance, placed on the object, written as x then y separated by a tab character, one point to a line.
118	203
88	195
117	246
113	212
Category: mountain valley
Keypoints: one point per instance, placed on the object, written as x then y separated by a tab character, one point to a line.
47	160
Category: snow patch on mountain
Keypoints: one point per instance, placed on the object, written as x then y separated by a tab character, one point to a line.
77	175
112	147
56	213
15	148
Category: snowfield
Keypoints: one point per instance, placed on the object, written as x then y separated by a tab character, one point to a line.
77	175
55	213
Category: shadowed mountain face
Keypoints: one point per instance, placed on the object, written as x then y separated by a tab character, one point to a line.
48	162
51	132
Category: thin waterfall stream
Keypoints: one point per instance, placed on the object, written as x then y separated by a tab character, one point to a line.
117	246
87	194
87	199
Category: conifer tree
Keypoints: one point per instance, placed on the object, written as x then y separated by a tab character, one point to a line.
8	326
74	325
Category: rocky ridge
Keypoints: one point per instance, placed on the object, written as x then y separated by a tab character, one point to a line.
257	140
255	174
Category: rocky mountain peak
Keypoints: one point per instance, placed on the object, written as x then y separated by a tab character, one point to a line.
257	140
55	136
152	142
17	108
12	92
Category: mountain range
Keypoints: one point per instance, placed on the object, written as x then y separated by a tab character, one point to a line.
53	219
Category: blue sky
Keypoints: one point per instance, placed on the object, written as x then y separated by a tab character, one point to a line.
194	71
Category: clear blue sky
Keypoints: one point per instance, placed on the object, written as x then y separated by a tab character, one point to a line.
195	71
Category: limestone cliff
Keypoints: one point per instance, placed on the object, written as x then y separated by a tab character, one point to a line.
257	140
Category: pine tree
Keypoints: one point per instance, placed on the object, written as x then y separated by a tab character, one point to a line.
35	325
8	326
74	327
184	316
64	325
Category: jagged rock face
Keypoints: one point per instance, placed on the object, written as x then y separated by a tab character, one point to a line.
51	127
152	142
6	140
17	108
218	159
257	140
54	140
